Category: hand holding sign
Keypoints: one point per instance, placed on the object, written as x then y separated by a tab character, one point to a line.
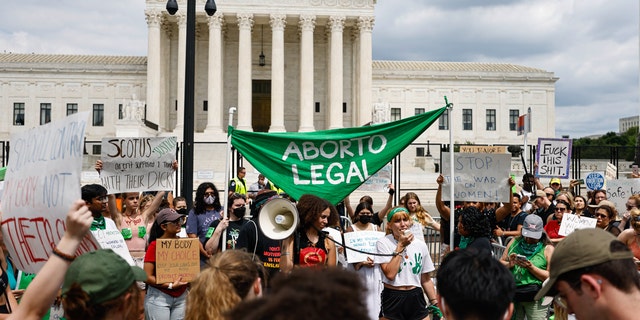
79	220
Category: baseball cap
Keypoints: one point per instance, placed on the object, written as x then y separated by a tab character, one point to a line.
102	274
167	215
532	227
554	180
538	194
603	203
582	248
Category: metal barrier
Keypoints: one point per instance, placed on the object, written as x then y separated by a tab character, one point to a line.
434	243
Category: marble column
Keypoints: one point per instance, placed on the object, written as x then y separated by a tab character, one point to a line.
154	18
245	23
336	25
307	25
365	73
214	85
182	55
278	24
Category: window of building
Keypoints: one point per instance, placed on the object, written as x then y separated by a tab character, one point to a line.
45	113
72	108
396	114
467	119
491	119
513	119
18	114
443	121
98	115
419	151
120	112
419	111
96	149
205	105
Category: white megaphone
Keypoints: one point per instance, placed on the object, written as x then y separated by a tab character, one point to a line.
278	219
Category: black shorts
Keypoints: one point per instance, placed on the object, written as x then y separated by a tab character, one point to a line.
403	304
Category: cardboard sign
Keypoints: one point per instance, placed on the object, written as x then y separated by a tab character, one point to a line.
41	183
138	164
572	222
112	239
177	258
618	191
482	177
483	149
553	157
361	240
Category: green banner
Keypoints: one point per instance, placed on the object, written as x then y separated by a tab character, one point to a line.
330	163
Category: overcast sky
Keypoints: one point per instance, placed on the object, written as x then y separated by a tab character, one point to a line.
591	45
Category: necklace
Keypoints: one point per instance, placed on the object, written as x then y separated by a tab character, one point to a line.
312	242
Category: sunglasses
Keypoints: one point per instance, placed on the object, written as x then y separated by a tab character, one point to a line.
561	209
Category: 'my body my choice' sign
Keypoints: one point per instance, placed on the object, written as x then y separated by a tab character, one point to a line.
330	163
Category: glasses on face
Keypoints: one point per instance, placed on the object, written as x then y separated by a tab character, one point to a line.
549	194
178	222
636	219
561	209
629	206
102	199
209	194
600	197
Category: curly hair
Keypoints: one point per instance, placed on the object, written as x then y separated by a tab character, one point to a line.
475	222
77	304
199	206
220	287
310	208
421	213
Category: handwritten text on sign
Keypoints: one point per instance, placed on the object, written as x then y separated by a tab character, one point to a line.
553	157
480	177
361	240
138	164
618	191
112	239
572	222
177	258
41	183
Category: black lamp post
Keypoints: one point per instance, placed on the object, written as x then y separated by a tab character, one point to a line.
189	91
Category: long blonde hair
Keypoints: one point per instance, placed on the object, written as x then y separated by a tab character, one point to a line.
421	213
221	286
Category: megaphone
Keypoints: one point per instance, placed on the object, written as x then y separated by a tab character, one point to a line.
278	219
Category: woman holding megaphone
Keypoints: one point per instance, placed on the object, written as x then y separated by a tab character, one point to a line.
308	245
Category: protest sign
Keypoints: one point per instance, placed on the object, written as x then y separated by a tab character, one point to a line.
553	157
112	239
41	183
480	177
379	182
138	164
572	222
595	181
618	191
361	240
177	258
483	149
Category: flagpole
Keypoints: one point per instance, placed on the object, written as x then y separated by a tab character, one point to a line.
452	208
226	178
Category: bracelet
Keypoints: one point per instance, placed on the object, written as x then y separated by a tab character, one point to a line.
284	254
395	254
62	255
434	304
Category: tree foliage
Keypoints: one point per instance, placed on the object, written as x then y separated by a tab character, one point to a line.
608	145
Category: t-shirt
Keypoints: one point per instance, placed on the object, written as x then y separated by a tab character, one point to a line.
233	231
416	260
544	214
150	257
253	240
552	228
198	224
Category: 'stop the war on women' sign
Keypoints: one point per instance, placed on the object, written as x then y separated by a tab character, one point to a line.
553	157
138	164
41	183
482	177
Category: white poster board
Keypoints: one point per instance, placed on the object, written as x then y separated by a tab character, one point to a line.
41	183
618	191
112	239
379	182
138	164
572	222
361	240
553	157
482	177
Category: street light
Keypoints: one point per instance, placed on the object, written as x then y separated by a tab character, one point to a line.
187	152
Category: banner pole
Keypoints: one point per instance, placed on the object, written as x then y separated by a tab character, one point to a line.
452	207
226	178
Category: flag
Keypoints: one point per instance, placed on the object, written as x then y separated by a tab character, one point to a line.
524	124
329	163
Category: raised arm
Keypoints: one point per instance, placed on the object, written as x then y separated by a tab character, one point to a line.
507	207
38	297
387	206
444	211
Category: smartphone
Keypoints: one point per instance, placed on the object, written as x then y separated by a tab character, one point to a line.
581	181
521	257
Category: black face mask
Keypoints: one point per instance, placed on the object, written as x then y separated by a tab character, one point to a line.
239	212
365	219
182	211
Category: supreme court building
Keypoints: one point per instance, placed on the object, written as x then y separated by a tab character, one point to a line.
286	65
